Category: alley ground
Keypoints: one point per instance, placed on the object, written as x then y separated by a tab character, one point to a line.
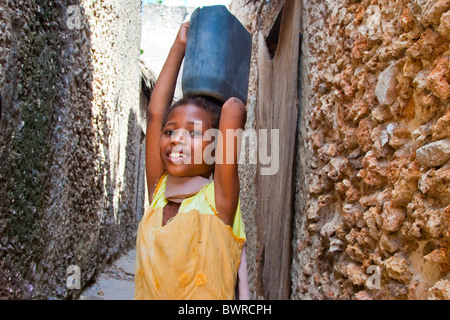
117	283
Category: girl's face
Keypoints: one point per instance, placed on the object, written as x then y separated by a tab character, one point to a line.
182	144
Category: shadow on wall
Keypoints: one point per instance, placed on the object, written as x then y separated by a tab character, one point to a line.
55	179
44	149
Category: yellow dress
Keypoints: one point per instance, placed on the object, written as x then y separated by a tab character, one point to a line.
194	256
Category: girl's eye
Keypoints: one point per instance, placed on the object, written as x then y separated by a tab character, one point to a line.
196	133
169	132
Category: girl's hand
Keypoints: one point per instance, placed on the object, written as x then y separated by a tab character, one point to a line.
182	35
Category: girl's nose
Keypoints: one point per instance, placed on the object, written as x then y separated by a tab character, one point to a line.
178	137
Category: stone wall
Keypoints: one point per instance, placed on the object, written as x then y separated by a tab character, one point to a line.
372	206
69	141
377	118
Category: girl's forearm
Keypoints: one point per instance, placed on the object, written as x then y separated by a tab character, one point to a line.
164	89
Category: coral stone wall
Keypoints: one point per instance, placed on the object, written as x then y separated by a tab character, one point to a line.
69	141
373	221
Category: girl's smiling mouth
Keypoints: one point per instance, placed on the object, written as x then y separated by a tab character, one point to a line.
176	155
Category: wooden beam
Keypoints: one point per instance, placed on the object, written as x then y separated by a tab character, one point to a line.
277	108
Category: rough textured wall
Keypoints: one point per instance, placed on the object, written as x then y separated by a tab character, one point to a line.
372	175
374	183
69	140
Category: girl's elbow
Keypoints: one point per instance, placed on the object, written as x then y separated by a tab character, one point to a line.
235	108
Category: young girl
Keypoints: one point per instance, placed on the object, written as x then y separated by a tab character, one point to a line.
190	240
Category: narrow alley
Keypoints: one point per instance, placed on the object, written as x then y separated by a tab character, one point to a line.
344	167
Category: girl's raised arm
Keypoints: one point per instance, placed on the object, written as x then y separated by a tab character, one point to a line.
226	178
161	99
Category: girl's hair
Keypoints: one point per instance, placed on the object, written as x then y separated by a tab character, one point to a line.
209	104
